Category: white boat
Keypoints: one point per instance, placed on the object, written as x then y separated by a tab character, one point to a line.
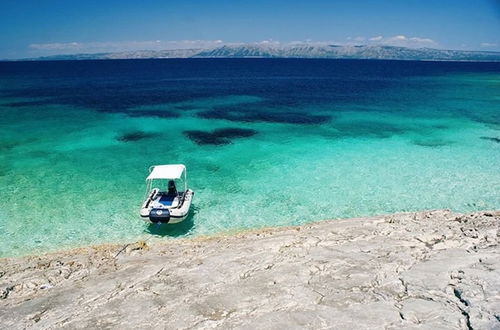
164	203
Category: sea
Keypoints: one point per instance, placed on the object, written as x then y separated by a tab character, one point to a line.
266	142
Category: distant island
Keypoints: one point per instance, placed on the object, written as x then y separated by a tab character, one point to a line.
293	51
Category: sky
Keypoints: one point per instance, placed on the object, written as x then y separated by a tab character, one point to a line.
31	28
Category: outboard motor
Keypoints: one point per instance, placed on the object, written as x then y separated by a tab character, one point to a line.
159	215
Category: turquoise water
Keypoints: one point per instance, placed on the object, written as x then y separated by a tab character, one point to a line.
72	167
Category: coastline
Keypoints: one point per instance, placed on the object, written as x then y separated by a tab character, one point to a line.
429	154
433	268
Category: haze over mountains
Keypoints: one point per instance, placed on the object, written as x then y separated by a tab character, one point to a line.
295	51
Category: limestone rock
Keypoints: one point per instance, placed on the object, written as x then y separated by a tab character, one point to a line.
425	270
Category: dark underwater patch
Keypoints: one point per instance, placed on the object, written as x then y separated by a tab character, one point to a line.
40	153
432	143
439	126
490	117
232	133
219	136
494	139
205	138
27	103
3	170
185	107
136	136
368	128
151	113
5	145
256	115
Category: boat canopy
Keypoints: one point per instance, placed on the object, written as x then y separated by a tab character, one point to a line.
171	172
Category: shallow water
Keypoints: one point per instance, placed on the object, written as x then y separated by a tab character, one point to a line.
266	143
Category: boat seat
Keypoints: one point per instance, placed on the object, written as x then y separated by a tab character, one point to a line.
167	199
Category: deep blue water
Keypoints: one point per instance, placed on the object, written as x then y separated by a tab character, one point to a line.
284	84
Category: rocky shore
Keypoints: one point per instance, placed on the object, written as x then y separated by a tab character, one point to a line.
425	270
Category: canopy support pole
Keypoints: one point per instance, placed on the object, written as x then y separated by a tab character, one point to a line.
185	180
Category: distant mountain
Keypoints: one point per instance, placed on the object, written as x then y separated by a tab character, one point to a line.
296	51
139	54
353	52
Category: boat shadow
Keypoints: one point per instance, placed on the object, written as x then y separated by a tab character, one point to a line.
173	230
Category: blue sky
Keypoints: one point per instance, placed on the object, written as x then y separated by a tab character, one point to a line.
45	27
